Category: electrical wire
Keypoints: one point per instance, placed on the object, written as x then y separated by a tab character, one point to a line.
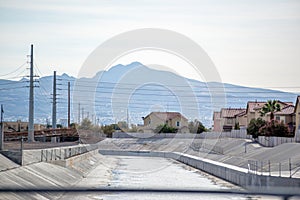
1	75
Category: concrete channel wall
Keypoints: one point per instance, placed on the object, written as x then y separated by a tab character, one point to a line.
237	175
71	161
206	135
241	134
275	141
27	157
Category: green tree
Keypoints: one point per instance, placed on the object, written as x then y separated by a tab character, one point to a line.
254	127
270	106
237	126
196	127
164	128
108	130
86	124
73	125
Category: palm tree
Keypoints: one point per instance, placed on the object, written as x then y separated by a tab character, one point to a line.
271	106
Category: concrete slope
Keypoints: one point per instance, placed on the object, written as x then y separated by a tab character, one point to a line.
37	175
233	151
6	163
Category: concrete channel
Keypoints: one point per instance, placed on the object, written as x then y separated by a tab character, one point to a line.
237	175
98	168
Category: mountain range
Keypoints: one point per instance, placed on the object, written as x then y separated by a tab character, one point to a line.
128	93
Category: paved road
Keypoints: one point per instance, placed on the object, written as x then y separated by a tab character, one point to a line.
149	172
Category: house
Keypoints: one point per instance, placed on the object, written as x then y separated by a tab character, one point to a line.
241	119
253	110
297	115
172	119
285	115
226	119
217	121
254	107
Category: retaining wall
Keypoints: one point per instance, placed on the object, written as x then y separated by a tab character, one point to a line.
69	162
206	135
274	141
241	134
47	155
237	175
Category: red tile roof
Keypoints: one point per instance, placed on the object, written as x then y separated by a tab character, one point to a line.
288	110
252	105
255	105
231	112
167	115
242	113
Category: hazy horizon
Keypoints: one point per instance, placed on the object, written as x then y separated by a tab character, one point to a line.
253	44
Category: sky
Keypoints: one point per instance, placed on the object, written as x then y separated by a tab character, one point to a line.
252	43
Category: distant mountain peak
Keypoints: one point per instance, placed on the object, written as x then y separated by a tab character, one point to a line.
131	65
23	79
65	75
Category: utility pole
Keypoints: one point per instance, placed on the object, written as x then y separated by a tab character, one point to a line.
54	104
69	104
82	114
78	113
31	101
127	118
2	130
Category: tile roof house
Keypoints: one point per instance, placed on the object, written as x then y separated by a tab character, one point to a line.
172	119
254	107
285	115
226	119
297	115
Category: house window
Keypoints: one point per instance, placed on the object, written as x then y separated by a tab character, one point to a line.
277	118
177	123
149	122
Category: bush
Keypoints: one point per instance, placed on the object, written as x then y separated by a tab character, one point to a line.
108	130
274	128
164	128
196	127
255	126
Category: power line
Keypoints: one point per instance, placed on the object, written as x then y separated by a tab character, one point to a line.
13	82
2	89
14	70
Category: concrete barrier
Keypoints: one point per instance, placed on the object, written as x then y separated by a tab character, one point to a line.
205	135
27	157
274	141
237	175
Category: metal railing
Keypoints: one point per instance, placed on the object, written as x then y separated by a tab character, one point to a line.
287	168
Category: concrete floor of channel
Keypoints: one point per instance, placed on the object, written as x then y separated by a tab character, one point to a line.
151	173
